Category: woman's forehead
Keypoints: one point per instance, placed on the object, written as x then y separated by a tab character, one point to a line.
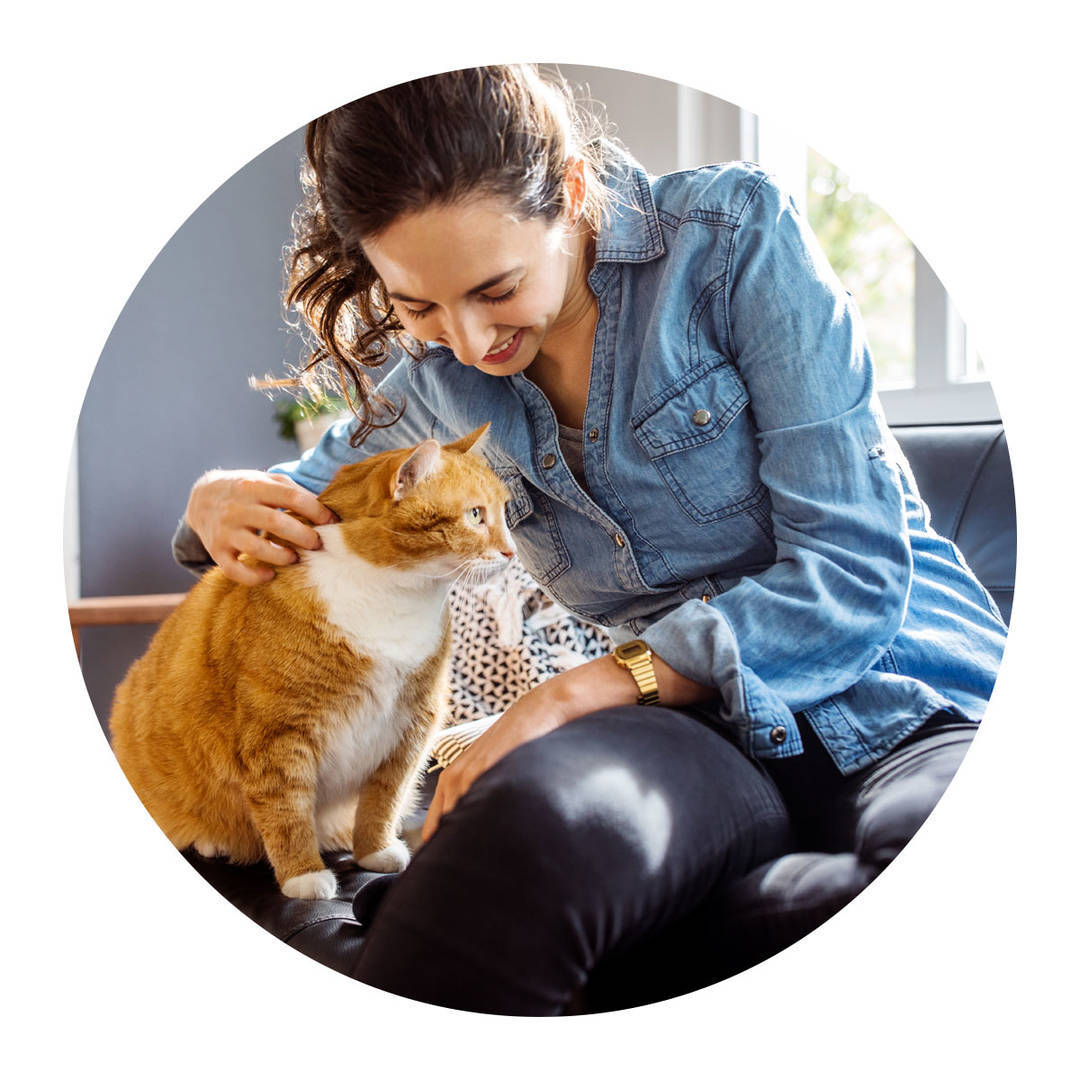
456	249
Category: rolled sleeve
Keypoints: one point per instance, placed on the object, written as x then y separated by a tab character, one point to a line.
817	619
188	549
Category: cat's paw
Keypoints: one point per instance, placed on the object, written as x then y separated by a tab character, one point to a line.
209	850
389	860
316	885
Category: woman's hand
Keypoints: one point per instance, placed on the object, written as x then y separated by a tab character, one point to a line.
532	715
598	684
228	510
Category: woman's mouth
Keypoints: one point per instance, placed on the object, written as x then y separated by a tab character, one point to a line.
504	350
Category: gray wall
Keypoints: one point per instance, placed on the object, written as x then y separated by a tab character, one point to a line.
169	396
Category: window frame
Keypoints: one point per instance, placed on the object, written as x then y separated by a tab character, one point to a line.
943	391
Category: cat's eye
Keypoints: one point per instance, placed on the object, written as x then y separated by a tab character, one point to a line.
475	515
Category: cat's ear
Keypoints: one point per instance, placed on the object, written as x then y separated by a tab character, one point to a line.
420	464
473	441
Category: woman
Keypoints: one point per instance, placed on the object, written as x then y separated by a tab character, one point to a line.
682	407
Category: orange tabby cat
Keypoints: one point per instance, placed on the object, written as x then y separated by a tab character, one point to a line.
282	718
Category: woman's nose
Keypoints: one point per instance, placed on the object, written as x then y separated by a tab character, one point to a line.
469	338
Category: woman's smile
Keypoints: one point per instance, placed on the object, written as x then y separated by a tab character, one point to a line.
505	350
506	273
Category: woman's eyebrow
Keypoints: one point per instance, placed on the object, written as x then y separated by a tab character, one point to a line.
490	283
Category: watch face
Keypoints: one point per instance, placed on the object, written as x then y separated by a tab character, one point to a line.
631	650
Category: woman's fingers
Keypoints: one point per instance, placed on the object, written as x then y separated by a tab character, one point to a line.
300	500
284	526
241	512
431	819
236	571
265	550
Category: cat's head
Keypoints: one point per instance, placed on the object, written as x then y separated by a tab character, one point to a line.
437	509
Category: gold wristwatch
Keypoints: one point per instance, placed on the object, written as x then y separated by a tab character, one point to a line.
636	657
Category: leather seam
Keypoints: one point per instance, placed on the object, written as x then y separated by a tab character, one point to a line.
976	475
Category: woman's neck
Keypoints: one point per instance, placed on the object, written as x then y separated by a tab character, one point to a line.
561	369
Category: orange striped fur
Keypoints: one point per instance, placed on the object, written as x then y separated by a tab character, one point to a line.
282	718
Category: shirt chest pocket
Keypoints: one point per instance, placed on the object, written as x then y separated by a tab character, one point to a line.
699	435
531	520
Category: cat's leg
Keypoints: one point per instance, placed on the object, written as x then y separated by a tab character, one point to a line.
281	800
387	796
334	826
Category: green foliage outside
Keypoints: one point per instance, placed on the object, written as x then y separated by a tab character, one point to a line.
289	411
874	260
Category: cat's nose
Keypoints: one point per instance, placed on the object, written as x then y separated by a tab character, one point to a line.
509	555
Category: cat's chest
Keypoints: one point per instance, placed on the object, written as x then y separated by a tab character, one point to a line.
362	731
383	613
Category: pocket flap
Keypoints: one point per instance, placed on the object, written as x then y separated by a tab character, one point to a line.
692	410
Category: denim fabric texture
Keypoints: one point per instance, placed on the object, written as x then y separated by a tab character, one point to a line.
747	511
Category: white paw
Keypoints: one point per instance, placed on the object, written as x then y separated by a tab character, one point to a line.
389	860
317	885
208	850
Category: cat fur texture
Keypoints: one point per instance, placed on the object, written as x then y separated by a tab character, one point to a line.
297	715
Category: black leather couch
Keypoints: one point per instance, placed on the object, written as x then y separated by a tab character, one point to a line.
964	475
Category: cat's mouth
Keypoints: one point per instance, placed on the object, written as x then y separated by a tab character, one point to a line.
485	569
480	570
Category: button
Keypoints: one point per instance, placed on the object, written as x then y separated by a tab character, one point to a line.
706	598
778	735
547	460
619	540
594	435
701	417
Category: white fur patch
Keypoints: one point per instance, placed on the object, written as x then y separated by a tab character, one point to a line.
316	885
394	618
384	612
363	740
389	860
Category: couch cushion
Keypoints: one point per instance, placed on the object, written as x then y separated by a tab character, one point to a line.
964	474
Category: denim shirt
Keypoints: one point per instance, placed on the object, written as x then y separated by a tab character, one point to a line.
746	510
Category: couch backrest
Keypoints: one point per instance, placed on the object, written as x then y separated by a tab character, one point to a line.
964	474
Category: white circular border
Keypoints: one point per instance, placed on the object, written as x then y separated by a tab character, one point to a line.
124	120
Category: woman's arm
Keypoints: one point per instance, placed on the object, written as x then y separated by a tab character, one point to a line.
598	684
816	620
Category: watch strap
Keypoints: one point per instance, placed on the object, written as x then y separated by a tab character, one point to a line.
639	664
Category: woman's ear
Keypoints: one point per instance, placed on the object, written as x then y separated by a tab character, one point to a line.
575	180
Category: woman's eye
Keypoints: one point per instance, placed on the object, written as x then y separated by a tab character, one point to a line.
500	298
418	313
475	516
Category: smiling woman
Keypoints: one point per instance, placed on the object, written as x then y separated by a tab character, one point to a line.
683	413
518	216
537	314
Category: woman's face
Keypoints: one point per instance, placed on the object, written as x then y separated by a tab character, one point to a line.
478	280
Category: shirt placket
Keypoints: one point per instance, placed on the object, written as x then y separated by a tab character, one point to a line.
551	472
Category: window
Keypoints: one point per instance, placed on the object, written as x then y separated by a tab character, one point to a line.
928	367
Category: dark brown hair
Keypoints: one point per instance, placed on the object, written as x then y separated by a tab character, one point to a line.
502	131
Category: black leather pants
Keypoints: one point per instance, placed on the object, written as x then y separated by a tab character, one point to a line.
632	855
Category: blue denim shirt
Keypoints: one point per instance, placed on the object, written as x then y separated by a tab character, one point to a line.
747	511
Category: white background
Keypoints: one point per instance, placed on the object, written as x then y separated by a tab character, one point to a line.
119	120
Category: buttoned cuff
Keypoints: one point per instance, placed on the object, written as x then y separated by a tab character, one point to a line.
698	642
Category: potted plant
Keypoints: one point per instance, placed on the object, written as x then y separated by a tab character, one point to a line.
306	412
305	419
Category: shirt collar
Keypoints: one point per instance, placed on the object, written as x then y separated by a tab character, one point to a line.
630	231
